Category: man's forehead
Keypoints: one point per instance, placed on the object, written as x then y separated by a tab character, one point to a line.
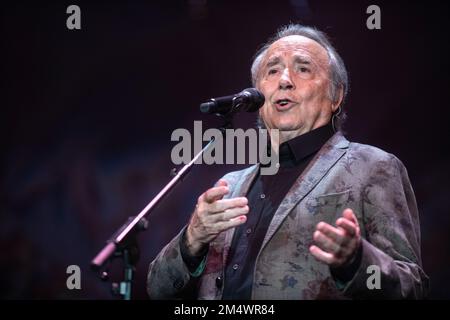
297	44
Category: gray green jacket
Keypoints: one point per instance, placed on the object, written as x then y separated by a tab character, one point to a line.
342	175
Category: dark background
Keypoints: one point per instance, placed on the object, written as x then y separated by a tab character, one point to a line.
87	115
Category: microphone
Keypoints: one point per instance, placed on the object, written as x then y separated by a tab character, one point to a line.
249	100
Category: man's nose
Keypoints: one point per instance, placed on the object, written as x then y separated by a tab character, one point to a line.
286	81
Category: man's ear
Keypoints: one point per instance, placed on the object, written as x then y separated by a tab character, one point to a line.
338	102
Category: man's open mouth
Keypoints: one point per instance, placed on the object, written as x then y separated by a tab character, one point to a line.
283	103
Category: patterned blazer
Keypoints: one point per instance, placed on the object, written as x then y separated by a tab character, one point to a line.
342	175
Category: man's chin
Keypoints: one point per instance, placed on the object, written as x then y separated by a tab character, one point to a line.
286	127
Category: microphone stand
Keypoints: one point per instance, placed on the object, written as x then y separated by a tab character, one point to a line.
123	243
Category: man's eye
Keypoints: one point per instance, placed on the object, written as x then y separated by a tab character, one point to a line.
304	69
272	71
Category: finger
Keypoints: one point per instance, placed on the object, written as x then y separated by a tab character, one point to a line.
225	225
325	243
321	255
230	213
332	232
221	183
214	194
224	204
347	225
348	214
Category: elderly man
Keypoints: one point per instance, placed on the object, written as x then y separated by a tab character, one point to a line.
338	220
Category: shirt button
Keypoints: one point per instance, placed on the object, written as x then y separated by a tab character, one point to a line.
248	231
235	266
219	282
178	284
262	195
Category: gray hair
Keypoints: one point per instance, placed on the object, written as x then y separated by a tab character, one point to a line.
338	72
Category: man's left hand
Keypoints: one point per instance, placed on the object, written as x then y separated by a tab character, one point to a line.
337	246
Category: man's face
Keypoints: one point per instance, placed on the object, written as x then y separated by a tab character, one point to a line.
294	78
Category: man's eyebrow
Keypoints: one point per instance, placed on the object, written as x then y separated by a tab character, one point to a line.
303	60
273	61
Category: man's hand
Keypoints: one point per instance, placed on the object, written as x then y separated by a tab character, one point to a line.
337	246
214	215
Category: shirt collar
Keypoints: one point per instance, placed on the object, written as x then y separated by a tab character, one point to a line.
295	150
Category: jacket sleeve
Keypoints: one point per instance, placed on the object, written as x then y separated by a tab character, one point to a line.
168	276
391	248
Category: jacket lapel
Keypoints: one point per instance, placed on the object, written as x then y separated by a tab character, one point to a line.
241	190
324	160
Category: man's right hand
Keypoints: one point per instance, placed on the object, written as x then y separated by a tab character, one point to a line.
213	215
